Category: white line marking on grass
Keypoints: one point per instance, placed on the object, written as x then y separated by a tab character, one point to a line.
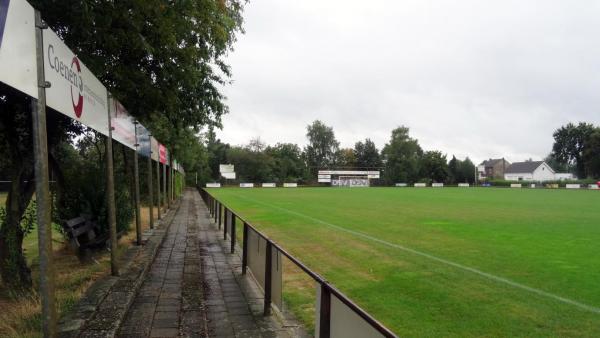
438	259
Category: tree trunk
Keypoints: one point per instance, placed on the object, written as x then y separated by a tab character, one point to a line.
13	265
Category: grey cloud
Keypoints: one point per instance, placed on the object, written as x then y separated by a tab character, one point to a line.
476	78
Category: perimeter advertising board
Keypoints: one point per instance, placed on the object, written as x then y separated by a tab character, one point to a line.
163	154
154	144
74	90
122	124
143	140
17	46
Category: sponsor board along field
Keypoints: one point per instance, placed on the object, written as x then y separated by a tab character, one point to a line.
442	262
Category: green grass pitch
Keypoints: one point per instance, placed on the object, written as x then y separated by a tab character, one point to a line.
444	262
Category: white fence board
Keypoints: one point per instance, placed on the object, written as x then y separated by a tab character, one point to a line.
573	186
437	185
290	185
420	185
246	185
516	185
269	185
213	185
464	185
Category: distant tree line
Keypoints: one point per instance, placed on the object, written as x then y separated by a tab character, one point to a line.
402	160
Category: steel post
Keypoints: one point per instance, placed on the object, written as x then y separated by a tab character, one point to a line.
150	192
225	224
42	189
233	234
166	188
158	189
245	249
268	270
136	183
325	312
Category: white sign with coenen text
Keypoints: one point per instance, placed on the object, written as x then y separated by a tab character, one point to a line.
74	90
17	46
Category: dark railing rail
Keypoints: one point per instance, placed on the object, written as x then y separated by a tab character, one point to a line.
220	213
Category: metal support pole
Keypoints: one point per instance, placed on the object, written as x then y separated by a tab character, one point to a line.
219	214
136	183
224	223
233	234
110	200
268	269
165	186
42	189
325	312
150	192
245	249
158	188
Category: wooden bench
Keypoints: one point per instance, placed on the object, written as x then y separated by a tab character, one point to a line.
81	231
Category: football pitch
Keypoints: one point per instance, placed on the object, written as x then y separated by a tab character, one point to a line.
443	262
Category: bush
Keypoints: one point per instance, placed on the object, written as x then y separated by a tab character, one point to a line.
84	186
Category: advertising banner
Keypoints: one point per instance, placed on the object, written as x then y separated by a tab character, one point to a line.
74	90
122	124
143	140
154	144
17	46
163	154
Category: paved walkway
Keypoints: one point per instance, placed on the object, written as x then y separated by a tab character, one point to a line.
194	288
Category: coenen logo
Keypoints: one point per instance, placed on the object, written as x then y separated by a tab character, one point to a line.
72	74
77	108
3	13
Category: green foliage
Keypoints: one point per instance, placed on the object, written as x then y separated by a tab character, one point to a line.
345	158
434	167
29	219
367	155
288	165
322	147
84	191
461	171
573	145
252	163
401	156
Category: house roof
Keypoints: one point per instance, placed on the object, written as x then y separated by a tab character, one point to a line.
491	162
523	167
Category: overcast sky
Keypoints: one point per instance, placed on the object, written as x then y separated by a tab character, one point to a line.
469	77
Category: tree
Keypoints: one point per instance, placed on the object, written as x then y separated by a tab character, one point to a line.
251	165
454	171
16	150
570	142
288	165
591	155
367	155
169	78
434	166
322	146
401	156
466	172
345	158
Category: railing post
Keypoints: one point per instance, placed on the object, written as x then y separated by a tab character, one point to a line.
325	312
233	234
224	223
268	268
245	249
219	214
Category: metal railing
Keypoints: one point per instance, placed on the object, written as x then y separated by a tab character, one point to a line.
223	215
